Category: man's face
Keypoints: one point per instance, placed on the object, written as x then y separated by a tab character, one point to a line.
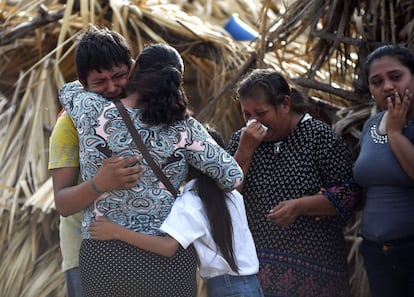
108	83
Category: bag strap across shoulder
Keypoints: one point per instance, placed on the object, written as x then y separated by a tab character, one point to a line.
144	150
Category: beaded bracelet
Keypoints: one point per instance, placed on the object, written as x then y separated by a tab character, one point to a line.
95	188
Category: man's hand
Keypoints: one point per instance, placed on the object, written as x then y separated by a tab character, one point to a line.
118	173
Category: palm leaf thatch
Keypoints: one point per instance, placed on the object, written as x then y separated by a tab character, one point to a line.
339	35
319	45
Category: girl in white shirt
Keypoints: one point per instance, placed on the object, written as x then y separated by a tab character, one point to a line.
215	223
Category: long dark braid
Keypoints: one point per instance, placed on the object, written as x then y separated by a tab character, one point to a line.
214	202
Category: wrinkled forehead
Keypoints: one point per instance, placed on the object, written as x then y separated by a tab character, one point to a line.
258	93
110	71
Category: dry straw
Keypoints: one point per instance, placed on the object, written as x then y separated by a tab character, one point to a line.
309	41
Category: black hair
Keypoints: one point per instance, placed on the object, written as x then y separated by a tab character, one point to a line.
273	86
100	49
158	78
214	201
402	54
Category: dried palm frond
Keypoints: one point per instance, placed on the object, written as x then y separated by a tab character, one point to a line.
318	45
42	199
23	169
328	25
27	263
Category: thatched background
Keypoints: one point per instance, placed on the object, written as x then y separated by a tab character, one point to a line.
317	44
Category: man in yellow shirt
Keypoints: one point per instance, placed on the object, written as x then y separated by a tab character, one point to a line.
103	60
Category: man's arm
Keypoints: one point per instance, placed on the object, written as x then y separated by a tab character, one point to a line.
114	174
71	197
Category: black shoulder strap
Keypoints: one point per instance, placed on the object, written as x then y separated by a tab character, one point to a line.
141	146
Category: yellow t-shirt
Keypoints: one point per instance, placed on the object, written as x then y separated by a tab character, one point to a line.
64	152
64	144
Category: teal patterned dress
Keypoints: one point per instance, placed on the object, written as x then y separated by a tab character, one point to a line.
143	208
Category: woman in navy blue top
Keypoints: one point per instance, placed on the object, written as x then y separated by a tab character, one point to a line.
385	168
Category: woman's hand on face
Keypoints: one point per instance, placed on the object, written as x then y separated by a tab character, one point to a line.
118	173
397	111
104	229
285	213
252	136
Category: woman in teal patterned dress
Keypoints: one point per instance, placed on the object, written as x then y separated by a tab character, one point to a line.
157	105
298	190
